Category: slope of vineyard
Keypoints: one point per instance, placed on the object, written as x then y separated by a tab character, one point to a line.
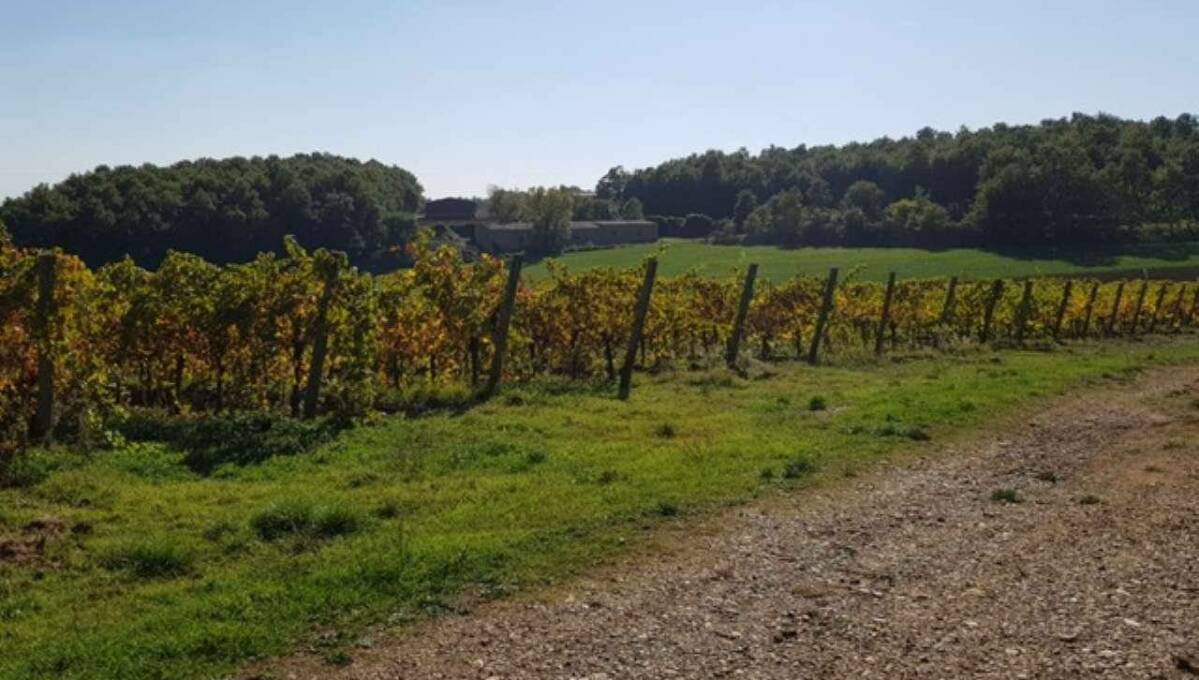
205	540
194	337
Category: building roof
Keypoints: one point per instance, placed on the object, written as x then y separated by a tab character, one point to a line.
574	225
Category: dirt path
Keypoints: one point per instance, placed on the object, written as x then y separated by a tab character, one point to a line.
912	571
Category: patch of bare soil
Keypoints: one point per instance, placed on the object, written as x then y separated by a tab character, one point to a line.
1066	548
29	547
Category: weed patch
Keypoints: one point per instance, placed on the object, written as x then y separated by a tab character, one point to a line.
799	467
1006	496
300	518
151	558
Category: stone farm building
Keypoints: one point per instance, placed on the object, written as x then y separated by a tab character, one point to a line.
507	238
463	217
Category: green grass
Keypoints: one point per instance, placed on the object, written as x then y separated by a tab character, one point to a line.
153	573
874	264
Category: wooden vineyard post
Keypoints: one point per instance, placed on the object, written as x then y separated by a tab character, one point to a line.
989	311
1023	312
503	320
1061	309
1111	321
826	308
43	421
639	314
747	294
886	316
1090	310
947	310
320	345
1136	313
1157	307
1178	317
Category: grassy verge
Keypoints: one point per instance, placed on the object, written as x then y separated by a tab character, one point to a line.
149	570
873	264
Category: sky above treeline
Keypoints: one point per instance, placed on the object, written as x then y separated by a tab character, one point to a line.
472	94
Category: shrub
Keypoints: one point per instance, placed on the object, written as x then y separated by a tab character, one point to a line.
667	509
817	404
665	431
697	225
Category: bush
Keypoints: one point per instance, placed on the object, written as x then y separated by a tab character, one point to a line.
725	234
240	439
697	225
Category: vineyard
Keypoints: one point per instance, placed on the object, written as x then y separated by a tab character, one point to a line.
305	334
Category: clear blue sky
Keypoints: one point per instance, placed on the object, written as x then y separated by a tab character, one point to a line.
467	94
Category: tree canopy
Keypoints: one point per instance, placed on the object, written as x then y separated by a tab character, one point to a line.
1077	181
225	210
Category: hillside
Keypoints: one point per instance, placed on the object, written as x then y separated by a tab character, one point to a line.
1065	182
225	210
678	256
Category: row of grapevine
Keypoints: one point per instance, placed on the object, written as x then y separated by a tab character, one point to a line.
194	337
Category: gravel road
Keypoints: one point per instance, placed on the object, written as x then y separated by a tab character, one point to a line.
917	569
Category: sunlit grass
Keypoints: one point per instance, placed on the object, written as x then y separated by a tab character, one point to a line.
873	264
161	572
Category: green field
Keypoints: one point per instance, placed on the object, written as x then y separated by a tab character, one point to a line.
682	255
150	570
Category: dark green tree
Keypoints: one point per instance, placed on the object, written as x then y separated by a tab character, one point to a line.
747	201
223	210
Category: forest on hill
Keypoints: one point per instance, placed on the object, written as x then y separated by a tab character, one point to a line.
226	210
1064	182
1078	182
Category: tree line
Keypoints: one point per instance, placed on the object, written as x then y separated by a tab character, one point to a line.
1086	180
1082	181
226	210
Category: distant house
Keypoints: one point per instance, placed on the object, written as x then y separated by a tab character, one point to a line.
470	221
517	236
